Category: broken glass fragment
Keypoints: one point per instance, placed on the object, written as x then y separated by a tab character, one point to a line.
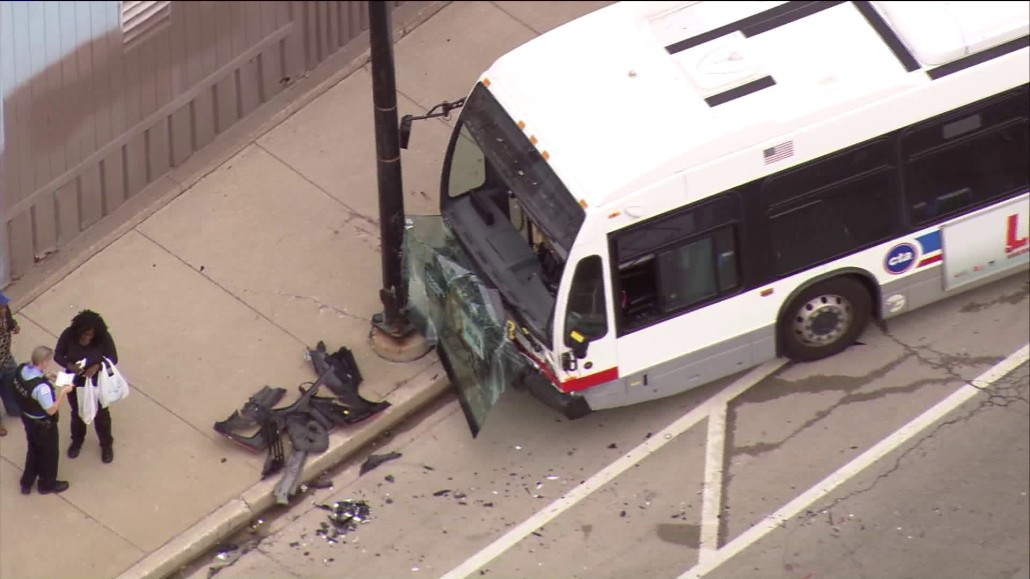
464	317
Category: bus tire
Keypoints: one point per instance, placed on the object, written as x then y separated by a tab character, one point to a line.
824	319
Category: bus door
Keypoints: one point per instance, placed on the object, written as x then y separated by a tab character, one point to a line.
584	326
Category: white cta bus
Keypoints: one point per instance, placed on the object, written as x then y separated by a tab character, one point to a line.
666	193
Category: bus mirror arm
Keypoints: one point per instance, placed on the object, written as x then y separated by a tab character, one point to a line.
441	110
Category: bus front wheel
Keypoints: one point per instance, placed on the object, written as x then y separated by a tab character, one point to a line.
824	319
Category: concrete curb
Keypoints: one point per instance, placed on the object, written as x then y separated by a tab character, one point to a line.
406	400
225	146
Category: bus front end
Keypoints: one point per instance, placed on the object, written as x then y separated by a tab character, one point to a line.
484	279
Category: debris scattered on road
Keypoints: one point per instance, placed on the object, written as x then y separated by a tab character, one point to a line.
375	460
427	467
345	517
228	553
389	478
442	493
612	445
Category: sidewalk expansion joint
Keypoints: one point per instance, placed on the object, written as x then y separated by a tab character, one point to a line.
223	288
354	213
322	306
516	19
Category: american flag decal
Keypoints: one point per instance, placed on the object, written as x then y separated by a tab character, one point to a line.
779	152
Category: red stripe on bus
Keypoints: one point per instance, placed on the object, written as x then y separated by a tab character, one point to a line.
578	384
929	260
544	368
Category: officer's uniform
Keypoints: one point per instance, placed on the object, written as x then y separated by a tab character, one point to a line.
41	431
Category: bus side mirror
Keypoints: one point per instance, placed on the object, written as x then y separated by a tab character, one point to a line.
404	131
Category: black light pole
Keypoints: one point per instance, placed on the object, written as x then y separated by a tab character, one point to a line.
392	335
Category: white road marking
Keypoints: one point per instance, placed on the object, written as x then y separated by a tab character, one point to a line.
712	494
621	465
860	463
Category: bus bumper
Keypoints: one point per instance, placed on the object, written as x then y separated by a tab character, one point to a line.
572	406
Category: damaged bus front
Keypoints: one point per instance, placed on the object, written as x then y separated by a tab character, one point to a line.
486	281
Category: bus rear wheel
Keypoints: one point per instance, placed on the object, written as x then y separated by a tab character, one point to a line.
824	319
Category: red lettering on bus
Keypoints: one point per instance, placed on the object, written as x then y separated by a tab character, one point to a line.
1013	243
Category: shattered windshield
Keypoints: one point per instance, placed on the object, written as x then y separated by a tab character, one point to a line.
510	211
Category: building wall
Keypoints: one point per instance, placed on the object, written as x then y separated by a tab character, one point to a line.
88	120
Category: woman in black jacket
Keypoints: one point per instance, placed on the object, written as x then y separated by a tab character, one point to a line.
87	340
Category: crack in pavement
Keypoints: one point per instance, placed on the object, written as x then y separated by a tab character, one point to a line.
763	447
949	362
1010	299
1016	379
1018	382
1004	393
322	306
936	360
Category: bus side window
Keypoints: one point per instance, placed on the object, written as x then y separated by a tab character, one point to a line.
832	206
666	283
586	312
967	159
975	170
639	282
687	274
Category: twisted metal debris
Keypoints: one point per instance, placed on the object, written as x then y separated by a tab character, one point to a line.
307	422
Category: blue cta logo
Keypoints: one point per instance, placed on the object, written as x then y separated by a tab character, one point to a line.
900	258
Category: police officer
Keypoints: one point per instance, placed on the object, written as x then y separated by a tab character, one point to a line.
39	404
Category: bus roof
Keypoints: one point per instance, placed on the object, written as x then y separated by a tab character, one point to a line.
638	91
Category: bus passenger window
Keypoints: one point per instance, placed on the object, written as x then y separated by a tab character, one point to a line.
586	312
639	282
687	275
967	159
726	259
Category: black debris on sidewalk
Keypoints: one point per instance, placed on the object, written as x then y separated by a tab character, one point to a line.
307	422
375	460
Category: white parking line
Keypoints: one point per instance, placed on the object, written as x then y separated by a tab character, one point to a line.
621	465
860	463
712	494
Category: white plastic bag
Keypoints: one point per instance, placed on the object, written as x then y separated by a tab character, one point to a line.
87	397
111	384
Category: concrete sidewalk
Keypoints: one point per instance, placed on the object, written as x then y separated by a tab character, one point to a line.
218	294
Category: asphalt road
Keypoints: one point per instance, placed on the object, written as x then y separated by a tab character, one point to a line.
948	499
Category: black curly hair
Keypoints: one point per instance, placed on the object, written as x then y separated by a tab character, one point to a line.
90	320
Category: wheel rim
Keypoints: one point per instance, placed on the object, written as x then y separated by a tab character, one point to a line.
823	320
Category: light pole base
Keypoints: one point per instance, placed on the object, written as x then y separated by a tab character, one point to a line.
406	346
